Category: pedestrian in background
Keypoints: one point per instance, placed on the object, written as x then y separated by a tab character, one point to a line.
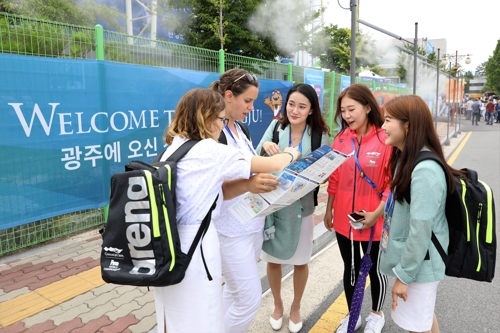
240	244
406	248
476	112
498	111
360	183
289	231
469	109
204	174
482	108
490	110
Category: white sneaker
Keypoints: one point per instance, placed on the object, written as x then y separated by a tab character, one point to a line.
344	323
374	323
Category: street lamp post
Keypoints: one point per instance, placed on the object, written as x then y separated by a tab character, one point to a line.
447	141
458	58
437	89
455	108
461	99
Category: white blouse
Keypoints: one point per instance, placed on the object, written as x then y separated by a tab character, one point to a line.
226	223
200	174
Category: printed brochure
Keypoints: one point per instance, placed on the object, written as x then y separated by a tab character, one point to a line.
296	180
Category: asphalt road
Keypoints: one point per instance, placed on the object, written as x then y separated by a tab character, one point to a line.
463	306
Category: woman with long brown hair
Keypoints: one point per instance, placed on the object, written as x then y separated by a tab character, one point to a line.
407	252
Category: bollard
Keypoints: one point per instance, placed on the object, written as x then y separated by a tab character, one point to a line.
447	141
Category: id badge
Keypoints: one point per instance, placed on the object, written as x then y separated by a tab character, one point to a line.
385	234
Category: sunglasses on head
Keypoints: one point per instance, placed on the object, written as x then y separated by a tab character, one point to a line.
250	77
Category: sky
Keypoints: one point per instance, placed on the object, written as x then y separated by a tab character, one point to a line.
469	27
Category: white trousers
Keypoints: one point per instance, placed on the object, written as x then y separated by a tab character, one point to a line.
242	293
195	304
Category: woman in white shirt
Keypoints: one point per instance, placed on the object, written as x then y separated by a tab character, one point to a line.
195	304
240	243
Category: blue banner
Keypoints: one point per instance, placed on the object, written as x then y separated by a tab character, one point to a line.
345	81
68	125
316	79
429	48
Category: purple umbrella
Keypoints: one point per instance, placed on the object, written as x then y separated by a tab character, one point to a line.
359	288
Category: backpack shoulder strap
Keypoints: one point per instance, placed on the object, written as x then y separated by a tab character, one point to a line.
245	130
180	152
315	140
222	138
315	144
202	230
276	135
422	156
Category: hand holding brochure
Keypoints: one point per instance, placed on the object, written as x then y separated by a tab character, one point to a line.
296	180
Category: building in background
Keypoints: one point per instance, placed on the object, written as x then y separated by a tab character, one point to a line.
141	19
476	85
302	58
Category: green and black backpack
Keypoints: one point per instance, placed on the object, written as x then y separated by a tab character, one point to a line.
141	244
470	212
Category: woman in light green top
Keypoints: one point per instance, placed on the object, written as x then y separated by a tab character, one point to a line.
407	252
288	233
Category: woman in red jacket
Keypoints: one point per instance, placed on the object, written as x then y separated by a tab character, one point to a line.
361	183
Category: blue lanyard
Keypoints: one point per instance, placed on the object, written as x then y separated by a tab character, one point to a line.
299	148
362	174
243	136
389	205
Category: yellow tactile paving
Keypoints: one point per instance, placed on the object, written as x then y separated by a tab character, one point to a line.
330	320
64	290
43	298
21	307
93	276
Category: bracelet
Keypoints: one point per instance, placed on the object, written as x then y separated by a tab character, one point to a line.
291	155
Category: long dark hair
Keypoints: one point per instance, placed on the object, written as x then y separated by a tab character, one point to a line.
315	119
413	110
363	96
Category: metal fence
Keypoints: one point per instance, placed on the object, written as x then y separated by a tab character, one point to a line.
27	36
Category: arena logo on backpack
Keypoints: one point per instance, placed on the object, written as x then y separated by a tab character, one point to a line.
141	244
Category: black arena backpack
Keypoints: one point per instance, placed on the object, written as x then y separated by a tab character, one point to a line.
141	244
470	212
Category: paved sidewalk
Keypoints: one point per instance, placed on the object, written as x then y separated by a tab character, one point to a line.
58	287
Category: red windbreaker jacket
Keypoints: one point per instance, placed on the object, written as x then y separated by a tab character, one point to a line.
351	191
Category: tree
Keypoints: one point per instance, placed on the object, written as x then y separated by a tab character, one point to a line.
246	28
492	70
406	55
333	47
83	12
467	76
480	70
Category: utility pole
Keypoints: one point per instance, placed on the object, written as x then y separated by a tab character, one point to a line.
220	26
354	17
